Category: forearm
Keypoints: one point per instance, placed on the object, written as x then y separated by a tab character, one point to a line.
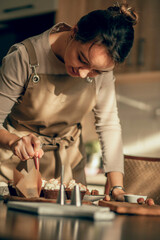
115	179
7	139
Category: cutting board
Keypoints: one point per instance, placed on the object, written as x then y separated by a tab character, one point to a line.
131	208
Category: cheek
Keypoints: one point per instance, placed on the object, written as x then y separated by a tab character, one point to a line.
68	56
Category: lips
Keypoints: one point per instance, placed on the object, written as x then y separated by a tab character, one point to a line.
73	72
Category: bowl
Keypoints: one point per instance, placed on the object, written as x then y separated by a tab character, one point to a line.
131	198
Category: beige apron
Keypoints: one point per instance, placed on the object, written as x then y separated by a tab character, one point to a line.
52	108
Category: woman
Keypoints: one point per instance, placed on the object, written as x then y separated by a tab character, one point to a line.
51	81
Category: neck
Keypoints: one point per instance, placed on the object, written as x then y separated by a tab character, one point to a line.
58	42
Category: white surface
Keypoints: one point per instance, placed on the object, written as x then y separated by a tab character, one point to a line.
84	211
133	198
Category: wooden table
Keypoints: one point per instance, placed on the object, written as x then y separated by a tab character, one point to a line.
16	225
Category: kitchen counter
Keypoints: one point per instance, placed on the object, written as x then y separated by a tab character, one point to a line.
20	225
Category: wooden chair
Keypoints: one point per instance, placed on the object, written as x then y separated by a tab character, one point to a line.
142	176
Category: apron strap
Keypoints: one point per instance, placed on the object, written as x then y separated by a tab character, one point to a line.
33	62
31	52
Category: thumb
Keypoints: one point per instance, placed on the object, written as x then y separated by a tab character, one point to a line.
107	187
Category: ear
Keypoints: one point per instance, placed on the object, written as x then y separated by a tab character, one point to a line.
74	30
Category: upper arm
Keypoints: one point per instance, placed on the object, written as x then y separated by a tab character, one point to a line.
106	106
13	75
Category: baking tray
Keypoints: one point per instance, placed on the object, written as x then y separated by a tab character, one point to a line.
85	211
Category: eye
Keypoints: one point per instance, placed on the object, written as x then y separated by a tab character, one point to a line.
80	59
97	71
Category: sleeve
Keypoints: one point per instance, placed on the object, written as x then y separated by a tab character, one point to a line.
13	75
108	125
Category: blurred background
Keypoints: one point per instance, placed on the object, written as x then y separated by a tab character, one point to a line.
137	80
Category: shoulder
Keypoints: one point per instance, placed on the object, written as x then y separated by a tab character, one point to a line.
15	64
17	54
106	76
60	27
104	79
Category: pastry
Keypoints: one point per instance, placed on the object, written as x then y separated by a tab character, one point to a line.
70	188
51	188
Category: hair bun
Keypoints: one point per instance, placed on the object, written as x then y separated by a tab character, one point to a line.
129	12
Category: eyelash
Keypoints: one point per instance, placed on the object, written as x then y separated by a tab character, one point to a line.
96	71
79	58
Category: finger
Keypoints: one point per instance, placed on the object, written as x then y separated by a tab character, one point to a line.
26	147
27	150
150	201
40	153
24	153
107	198
18	153
107	187
36	143
36	161
120	198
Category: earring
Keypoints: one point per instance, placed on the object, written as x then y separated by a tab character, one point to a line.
89	79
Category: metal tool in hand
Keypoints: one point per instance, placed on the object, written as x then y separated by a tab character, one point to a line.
36	161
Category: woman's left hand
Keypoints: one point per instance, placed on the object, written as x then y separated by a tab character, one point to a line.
117	194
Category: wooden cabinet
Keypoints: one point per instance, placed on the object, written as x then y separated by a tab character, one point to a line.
20	19
21	8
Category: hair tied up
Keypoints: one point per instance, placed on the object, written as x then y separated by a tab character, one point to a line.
129	9
129	12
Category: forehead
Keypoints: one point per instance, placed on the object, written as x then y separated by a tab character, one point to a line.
98	56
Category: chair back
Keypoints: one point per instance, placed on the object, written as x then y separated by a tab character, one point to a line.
142	176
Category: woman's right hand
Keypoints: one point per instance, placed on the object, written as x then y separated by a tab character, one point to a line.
26	147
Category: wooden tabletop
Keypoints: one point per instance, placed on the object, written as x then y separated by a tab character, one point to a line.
20	225
131	208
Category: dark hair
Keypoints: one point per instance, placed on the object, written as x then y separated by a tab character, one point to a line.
112	27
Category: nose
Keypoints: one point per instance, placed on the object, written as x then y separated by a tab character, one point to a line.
83	72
